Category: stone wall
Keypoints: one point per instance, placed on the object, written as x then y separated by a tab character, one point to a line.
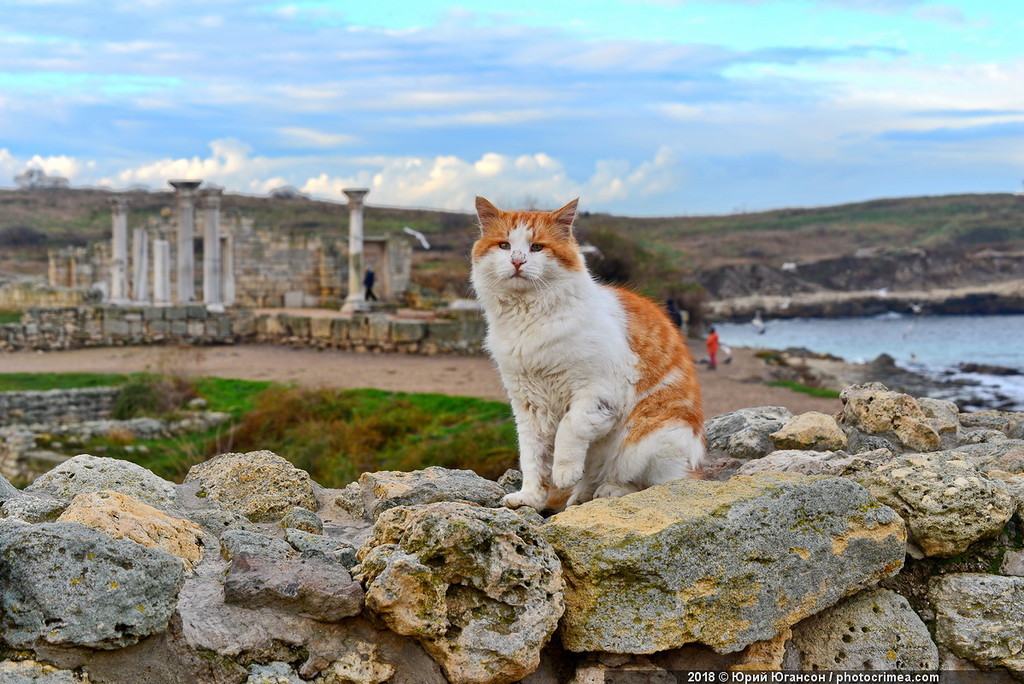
888	538
56	406
17	296
77	327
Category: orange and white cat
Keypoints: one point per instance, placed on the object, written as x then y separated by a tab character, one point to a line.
603	389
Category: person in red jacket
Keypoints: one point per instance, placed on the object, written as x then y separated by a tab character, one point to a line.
712	343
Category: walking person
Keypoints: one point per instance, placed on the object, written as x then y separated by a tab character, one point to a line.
368	281
712	344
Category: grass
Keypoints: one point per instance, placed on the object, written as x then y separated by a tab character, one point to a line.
805	389
336	435
333	435
8	316
20	382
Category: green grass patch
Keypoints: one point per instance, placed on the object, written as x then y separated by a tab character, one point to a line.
336	435
805	389
7	316
21	382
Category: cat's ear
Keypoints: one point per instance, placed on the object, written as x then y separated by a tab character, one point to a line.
565	216
486	211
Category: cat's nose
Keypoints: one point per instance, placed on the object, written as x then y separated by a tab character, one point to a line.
518	259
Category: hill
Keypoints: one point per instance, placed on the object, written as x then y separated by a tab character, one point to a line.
648	252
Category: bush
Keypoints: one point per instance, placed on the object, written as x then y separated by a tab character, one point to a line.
152	395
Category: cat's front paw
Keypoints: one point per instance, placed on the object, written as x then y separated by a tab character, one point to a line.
534	500
565	475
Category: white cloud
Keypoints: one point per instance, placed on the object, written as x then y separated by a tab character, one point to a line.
307	137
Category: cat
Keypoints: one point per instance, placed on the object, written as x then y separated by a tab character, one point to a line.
603	390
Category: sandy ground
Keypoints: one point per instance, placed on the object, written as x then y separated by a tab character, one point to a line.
732	386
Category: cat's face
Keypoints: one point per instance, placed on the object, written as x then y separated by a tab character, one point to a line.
522	250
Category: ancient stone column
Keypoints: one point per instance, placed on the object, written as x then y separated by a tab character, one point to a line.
119	252
140	265
355	299
212	285
227	261
186	194
161	272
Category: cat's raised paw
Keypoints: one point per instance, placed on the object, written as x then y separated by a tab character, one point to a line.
566	475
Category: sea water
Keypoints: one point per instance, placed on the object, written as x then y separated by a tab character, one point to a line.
935	346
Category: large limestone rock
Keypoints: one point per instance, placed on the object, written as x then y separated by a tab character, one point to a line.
831	463
947	503
873	409
62	583
978	618
85	473
311	587
383	490
873	630
259	484
722	563
478	587
123	517
812	430
745	434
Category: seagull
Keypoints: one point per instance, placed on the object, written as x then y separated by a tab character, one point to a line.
758	322
418	235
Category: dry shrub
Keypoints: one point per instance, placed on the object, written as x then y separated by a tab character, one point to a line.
121	436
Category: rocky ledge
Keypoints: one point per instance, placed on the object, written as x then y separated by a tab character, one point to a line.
885	537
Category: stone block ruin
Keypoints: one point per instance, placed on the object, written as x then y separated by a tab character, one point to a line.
229	260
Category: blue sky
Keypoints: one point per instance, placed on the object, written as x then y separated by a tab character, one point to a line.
639	107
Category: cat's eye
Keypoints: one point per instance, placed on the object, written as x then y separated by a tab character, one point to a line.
536	248
504	245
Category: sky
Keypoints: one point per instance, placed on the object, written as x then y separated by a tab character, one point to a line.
637	107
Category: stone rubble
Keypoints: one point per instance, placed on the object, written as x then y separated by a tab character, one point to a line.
899	545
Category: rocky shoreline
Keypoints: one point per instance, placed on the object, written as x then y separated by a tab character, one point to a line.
887	537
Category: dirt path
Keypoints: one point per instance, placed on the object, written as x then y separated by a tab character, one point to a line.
733	386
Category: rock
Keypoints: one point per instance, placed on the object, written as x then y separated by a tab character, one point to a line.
1007	455
260	485
1015	426
721	563
324	547
479	588
977	617
310	587
989	420
122	517
744	434
218	521
811	430
303	519
274	673
981	436
942	415
62	583
360	664
873	630
947	503
7	490
34	509
873	409
387	489
85	473
238	543
33	672
816	462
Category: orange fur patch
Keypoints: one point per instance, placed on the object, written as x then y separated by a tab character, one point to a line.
667	388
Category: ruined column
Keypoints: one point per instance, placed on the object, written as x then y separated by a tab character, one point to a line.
140	265
185	190
161	272
227	262
355	299
119	252
212	292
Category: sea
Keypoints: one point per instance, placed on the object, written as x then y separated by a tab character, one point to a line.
934	346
